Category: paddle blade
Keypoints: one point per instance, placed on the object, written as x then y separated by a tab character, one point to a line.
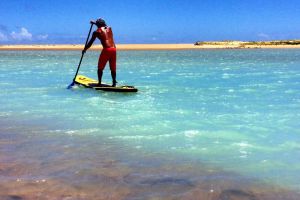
71	85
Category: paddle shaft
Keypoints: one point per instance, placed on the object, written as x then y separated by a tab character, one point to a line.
87	39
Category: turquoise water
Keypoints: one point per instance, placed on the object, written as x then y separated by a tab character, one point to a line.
236	110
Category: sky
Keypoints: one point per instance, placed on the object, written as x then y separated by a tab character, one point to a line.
149	21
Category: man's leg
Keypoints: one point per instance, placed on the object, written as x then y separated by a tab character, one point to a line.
103	58
113	67
113	76
100	72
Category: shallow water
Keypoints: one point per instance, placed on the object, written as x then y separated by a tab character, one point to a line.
214	122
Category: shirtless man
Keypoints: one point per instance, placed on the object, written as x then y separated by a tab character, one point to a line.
109	53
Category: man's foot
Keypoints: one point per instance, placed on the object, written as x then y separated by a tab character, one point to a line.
114	84
95	85
99	84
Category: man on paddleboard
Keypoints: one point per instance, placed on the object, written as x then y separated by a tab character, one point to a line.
109	53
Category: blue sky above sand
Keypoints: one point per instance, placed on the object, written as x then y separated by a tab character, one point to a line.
149	21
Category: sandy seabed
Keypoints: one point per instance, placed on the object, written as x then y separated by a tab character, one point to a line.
37	164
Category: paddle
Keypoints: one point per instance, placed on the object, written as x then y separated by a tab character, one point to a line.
87	39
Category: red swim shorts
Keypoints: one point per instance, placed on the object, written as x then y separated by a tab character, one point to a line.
108	54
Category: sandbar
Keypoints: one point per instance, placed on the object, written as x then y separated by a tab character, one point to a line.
76	47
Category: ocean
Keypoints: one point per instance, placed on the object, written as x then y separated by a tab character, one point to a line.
215	124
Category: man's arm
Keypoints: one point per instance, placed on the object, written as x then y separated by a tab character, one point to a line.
89	44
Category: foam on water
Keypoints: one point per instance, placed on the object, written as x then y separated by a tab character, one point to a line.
234	109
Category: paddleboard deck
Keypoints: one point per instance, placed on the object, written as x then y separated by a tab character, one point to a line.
93	84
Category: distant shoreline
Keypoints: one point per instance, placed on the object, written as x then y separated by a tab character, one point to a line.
204	45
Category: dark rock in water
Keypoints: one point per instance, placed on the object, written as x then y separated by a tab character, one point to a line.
236	195
12	197
138	179
168	181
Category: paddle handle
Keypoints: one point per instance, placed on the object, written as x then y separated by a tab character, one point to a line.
87	39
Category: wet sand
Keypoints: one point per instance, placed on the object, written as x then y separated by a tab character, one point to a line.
38	164
142	47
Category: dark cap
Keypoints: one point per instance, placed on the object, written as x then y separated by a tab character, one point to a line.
99	22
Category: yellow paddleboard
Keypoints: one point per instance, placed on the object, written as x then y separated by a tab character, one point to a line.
93	84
